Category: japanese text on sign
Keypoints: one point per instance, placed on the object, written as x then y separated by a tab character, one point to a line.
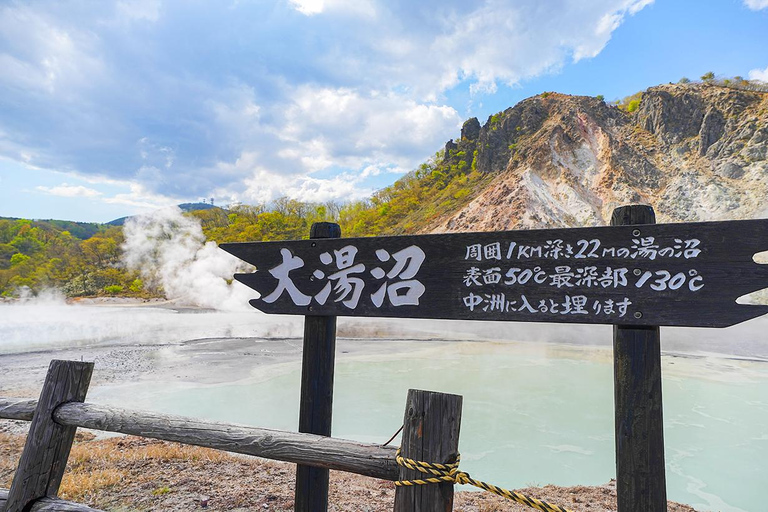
496	271
344	278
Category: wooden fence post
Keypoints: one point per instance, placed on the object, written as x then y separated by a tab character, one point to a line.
316	405
45	454
640	478
430	434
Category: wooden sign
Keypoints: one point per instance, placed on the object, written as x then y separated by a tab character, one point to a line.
686	274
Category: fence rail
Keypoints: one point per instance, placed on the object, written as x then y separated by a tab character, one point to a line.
308	449
49	505
17	409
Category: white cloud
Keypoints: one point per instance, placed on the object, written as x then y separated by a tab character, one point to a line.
345	127
431	49
138	196
65	190
759	74
308	7
756	5
42	55
264	186
258	106
355	7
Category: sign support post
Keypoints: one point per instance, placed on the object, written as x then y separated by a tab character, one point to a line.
640	477
316	404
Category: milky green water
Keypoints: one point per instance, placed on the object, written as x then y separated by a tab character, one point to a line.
533	414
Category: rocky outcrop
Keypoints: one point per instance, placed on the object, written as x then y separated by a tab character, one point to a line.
471	129
693	151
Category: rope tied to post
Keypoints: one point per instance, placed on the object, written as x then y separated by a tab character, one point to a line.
450	473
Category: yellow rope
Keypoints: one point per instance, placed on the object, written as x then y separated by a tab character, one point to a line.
450	473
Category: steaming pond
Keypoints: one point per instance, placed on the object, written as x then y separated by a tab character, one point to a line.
532	414
538	400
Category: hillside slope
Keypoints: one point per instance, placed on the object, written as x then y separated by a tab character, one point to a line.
693	151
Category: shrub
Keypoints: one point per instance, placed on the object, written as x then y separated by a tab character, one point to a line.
113	289
684	80
708	76
19	259
633	105
600	97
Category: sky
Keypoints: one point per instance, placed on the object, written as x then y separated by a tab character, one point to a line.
113	108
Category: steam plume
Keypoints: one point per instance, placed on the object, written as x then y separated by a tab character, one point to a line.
170	250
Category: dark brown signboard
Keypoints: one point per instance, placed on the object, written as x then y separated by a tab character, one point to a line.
686	274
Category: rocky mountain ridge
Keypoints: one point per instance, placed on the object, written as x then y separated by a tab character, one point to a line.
694	152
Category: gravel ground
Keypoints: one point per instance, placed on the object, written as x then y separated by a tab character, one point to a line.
130	473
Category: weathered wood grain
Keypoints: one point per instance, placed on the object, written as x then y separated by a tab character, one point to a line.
308	449
50	505
316	399
430	434
17	409
725	263
640	477
48	443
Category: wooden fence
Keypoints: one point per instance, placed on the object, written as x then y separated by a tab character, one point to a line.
431	431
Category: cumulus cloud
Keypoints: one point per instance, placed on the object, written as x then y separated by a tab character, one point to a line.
65	190
303	100
759	74
344	126
756	5
443	43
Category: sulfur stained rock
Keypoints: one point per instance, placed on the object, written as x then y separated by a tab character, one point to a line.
695	152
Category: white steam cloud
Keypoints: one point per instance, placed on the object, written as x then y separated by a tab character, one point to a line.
170	250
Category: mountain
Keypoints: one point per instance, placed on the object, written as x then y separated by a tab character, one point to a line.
80	230
185	207
693	151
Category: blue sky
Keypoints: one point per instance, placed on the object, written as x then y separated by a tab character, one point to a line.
110	108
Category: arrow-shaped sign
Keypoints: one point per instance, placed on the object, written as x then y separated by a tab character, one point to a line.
687	274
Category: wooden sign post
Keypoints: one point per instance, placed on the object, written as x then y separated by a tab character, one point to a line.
634	274
316	403
641	484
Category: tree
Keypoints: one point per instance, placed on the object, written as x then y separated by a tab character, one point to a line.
708	76
684	80
600	97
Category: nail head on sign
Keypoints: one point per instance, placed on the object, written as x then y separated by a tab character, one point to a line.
636	232
638	314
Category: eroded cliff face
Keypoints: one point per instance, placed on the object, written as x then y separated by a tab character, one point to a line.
694	152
